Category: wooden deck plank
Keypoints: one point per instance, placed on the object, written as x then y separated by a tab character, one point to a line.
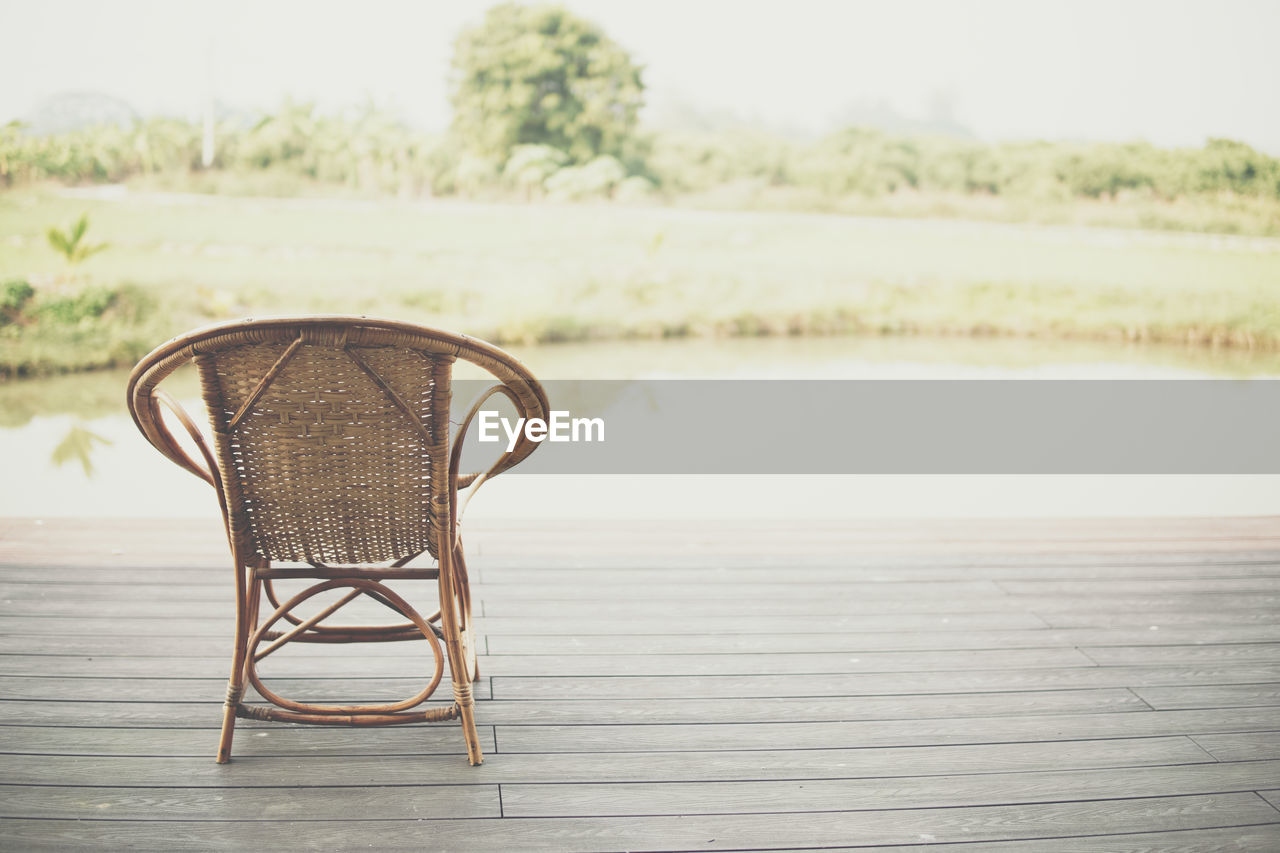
159	688
93	541
1265	586
724	589
569	604
712	832
795	581
1174	655
701	798
855	684
609	573
906	602
856	733
839	572
1081	638
1246	839
416	800
164	687
1241	746
669	642
531	623
585	665
17	581
176	802
613	711
195	737
270	758
1231	696
1116	619
185	600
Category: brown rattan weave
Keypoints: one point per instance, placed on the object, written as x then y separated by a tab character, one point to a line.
331	449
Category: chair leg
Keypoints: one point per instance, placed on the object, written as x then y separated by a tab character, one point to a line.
455	623
462	668
228	722
462	589
245	623
467	710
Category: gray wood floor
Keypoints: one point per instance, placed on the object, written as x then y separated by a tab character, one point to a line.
1009	686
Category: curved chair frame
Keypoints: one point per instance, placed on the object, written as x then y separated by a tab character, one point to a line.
353	338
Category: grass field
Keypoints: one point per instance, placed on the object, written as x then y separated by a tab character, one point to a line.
540	273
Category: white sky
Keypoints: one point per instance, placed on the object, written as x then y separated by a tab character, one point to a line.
1171	72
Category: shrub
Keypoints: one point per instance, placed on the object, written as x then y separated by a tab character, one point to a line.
475	174
530	165
89	303
594	180
634	188
14	296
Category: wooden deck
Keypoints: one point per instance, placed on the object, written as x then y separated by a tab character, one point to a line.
1008	686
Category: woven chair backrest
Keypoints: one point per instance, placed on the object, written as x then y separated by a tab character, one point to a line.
331	434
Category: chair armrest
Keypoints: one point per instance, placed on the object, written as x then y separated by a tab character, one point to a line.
477	479
164	441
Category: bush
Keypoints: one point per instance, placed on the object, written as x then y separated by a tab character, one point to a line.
89	303
94	327
594	180
530	165
634	188
861	160
695	162
475	174
14	296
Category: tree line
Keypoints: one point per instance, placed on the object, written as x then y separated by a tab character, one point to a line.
546	105
375	153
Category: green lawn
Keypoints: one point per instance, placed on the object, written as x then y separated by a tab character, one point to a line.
526	273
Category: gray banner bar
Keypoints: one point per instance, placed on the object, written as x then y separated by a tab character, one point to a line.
905	427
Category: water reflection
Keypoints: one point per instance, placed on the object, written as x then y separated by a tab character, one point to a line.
73	450
853	357
94	395
78	446
86	396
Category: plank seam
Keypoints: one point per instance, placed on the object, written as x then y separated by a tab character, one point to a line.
1135	695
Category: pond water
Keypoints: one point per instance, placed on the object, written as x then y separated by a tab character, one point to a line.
72	450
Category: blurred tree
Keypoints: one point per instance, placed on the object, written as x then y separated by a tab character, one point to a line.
539	75
286	136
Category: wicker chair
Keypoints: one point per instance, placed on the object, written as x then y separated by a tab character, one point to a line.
331	452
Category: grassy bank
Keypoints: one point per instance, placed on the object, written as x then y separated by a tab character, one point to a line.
1223	213
540	273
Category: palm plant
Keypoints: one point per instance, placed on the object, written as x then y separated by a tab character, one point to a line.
70	243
